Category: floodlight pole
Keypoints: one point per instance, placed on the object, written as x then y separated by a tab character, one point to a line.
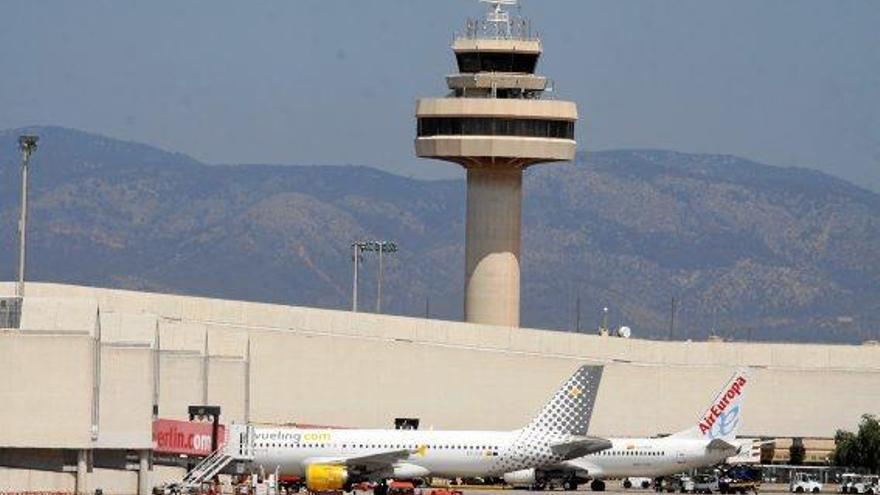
379	280
27	144
355	256
381	247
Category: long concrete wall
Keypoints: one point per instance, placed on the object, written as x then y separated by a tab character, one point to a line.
278	364
110	481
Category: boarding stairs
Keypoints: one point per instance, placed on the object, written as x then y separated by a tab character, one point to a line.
239	447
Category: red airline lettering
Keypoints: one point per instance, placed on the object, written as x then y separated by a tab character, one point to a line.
718	408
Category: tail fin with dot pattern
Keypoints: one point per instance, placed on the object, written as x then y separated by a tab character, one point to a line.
571	407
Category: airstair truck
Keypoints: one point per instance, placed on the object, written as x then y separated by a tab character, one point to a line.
238	448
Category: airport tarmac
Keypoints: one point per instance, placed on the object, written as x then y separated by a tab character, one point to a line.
765	488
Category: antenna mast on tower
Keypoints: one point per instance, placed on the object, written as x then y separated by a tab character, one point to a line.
498	17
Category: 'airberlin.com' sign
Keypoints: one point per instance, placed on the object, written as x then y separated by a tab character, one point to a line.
184	437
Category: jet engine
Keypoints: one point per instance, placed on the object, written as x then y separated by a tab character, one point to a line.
525	477
405	471
326	477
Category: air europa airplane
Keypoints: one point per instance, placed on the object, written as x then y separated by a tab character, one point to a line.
711	440
337	459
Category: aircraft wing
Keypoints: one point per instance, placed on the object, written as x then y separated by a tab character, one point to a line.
720	444
748	444
370	462
580	446
577	464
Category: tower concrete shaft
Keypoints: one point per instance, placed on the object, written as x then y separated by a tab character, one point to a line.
494	210
495	123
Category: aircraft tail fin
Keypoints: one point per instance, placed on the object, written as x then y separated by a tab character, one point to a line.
571	407
722	419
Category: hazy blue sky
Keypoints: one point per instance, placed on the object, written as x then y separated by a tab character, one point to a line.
793	82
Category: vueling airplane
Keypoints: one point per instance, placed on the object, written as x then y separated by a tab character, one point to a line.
710	441
332	459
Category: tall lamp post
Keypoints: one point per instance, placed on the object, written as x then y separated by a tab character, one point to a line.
380	248
356	257
27	144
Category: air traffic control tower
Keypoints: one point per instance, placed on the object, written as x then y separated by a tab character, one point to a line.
495	122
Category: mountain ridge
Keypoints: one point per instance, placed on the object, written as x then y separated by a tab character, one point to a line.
748	250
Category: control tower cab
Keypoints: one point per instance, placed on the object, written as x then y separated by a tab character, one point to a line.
495	122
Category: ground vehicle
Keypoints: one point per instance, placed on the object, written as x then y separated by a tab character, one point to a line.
401	488
739	479
874	485
847	480
867	484
706	483
686	484
635	482
804	483
672	484
291	484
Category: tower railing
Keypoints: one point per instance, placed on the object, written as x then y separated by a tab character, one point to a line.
515	28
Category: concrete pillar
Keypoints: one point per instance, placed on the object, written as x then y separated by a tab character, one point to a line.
145	485
494	210
82	469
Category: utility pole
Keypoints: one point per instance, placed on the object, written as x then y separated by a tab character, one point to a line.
27	144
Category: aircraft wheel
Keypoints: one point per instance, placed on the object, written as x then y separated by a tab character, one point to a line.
627	484
799	489
381	488
570	485
816	490
597	486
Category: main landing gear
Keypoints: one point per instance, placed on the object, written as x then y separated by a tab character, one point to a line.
570	485
597	486
381	488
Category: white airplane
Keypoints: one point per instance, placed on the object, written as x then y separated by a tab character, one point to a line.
335	459
709	442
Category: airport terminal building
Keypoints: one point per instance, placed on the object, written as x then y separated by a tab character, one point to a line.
90	372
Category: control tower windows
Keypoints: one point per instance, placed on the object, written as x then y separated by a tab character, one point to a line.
472	62
487	126
500	93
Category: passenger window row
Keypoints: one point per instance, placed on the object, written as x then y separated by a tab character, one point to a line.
632	453
376	446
